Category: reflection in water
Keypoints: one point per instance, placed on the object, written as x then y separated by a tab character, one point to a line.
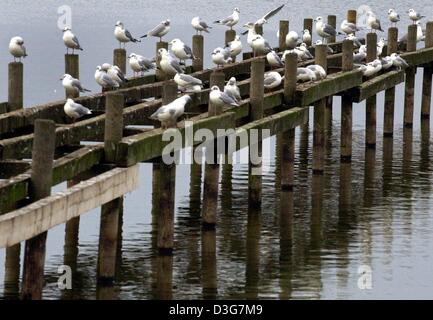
286	206
209	264
252	274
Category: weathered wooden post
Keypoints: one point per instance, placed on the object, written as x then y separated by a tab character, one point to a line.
259	29
109	227
351	16
41	180
290	71
72	67
346	107
388	113
308	25
319	118
159	74
427	75
211	170
12	272
230	36
370	114
255	150
283	31
197	51
119	59
332	21
409	88
167	185
15	87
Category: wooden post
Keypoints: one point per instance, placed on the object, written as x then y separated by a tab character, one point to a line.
308	25
197	50
230	36
388	113
255	150
346	107
40	187
211	170
72	67
427	76
409	88
283	31
370	109
12	272
290	77
119	59
351	16
167	192
159	74
15	88
259	29
109	227
332	21
319	118
287	160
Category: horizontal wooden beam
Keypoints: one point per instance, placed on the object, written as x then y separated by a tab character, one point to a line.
40	216
3	107
419	57
11	168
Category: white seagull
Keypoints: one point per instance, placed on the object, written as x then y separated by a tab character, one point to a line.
221	56
70	40
17	48
292	39
251	32
75	110
114	73
373	22
199	25
159	30
181	50
169	113
232	89
348	27
393	16
324	30
318	70
414	16
305	75
123	35
268	15
354	39
398	61
221	99
141	64
186	81
231	20
274	60
272	80
104	80
260	45
168	64
235	46
72	85
306	36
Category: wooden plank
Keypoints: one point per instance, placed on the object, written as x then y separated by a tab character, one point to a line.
11	168
419	57
310	92
3	107
40	216
373	86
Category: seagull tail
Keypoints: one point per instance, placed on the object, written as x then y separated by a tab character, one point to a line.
86	90
206	30
135	40
217	21
145	36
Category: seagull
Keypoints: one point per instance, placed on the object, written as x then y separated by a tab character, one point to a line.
325	30
194	88
386	62
268	15
373	22
272	80
159	31
292	39
414	16
251	32
306	36
70	40
380	45
235	46
232	89
348	27
398	61
231	20
104	80
274	60
72	85
75	110
221	56
181	50
306	53
260	45
139	63
420	34
186	81
354	39
17	48
114	73
219	98
168	64
371	68
329	50
305	75
318	70
393	16
123	35
169	113
359	57
199	25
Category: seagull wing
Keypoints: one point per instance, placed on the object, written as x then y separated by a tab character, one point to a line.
77	84
227	99
187	50
75	40
175	64
157	30
329	29
190	79
273	12
269	79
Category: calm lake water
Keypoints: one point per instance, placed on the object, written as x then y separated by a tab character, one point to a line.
375	212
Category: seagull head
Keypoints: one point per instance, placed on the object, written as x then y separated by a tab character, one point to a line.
410	11
306	31
237	38
66	29
319	42
394	55
232	81
391	11
166	22
162	51
249	25
318	19
175	41
119	24
236	10
69	100
215	88
187	98
106	66
132	55
17	40
66	76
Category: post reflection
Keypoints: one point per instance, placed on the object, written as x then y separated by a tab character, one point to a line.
253	254
209	264
286	209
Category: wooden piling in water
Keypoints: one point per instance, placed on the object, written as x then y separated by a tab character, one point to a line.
370	104
332	21
308	25
290	77
165	239
255	150
388	112
346	107
12	272
119	59
72	67
427	76
229	36
351	16
159	74
259	29
211	170
287	159
197	51
319	118
283	31
15	86
409	88
41	180
110	212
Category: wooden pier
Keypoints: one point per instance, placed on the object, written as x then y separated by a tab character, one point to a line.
40	147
